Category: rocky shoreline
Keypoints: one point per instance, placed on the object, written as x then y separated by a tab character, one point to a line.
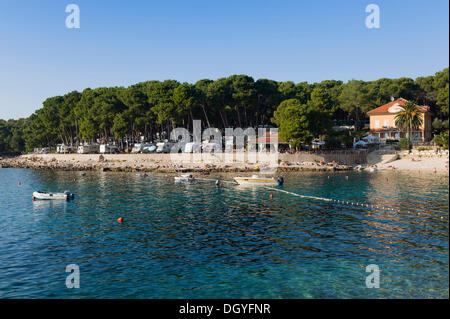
133	165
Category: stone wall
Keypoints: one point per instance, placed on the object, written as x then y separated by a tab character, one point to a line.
348	157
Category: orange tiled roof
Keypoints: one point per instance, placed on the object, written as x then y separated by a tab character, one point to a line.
400	101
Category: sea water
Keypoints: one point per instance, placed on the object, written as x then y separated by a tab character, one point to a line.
197	240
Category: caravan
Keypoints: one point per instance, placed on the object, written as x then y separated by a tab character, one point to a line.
88	149
109	149
63	149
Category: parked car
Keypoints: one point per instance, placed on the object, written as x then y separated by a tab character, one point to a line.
150	148
143	148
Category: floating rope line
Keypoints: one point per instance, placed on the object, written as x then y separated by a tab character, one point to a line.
333	200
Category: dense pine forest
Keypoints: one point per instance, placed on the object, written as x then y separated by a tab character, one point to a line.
302	111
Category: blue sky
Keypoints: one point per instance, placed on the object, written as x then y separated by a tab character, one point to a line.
125	42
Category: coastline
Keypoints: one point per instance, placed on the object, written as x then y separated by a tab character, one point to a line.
160	163
163	163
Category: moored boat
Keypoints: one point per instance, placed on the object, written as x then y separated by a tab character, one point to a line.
257	180
47	195
185	178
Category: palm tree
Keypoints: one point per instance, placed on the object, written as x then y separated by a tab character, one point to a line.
409	119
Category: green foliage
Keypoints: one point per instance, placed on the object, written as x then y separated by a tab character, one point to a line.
440	125
409	119
300	123
391	141
152	107
403	144
442	140
11	136
442	99
334	142
354	99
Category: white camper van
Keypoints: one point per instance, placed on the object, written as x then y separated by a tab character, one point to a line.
193	147
63	148
88	149
109	149
163	147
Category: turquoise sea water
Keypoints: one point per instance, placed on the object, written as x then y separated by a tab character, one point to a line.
199	241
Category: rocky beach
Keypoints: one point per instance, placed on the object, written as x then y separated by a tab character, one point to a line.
150	163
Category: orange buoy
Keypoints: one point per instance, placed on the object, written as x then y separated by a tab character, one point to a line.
271	195
220	184
120	219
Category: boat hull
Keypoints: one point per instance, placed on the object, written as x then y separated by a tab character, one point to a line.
184	178
52	196
255	181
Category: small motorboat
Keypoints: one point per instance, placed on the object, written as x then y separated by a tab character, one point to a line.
257	180
47	195
184	178
358	168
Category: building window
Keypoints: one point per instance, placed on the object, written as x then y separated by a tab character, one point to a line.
377	123
386	123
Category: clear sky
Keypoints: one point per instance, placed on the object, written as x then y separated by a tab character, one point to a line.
124	42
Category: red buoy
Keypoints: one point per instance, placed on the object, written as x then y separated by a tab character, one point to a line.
168	179
34	198
271	195
120	219
220	184
19	183
74	179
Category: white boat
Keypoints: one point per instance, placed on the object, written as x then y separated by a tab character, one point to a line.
185	178
47	195
257	180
